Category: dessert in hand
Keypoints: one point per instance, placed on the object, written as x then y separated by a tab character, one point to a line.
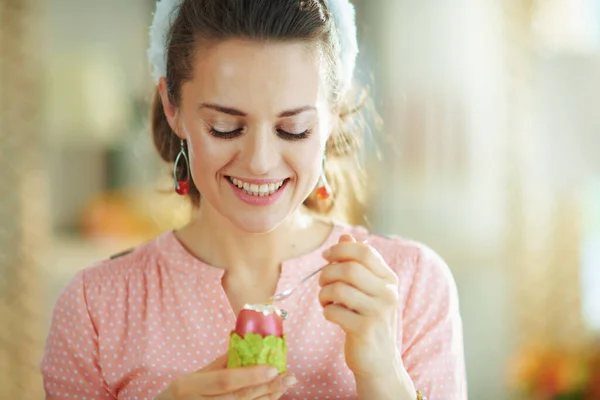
258	338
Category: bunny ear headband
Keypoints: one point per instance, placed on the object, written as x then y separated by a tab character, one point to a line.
343	16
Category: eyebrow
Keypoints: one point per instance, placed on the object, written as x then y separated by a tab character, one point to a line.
238	113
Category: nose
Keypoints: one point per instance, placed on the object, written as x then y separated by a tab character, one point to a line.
260	151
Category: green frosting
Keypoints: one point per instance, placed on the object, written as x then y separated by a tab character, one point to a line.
253	349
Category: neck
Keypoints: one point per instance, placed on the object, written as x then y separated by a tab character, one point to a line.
216	241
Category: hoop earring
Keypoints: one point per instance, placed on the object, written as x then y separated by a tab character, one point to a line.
182	187
323	189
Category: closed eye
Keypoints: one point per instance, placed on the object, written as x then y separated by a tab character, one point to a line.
226	135
293	136
280	132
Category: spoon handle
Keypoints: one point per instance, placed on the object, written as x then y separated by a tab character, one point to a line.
287	292
312	274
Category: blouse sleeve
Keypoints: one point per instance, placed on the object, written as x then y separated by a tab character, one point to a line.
70	365
432	338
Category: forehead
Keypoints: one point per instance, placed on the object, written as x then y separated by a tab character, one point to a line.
257	76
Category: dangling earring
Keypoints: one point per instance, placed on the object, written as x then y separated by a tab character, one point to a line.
323	189
182	187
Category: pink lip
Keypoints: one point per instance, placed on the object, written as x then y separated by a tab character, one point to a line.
258	200
257	181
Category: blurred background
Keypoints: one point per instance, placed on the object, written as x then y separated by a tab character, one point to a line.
490	154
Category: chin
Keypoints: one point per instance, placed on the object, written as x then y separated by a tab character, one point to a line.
257	223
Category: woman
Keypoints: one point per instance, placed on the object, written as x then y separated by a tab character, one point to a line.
250	99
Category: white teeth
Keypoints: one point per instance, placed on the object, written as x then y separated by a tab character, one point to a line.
257	190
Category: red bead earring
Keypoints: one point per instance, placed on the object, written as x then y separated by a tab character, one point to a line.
182	186
323	189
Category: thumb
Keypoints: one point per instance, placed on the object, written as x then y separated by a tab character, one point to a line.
346	238
218	363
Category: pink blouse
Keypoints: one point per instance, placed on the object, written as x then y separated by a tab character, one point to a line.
126	327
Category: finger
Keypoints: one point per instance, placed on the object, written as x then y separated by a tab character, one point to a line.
267	390
218	363
349	321
353	274
288	381
346	238
347	296
357	276
362	253
222	381
272	396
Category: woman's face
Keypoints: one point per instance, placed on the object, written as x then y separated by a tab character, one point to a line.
256	120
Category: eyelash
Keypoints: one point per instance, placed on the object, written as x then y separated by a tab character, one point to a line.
281	133
293	136
225	135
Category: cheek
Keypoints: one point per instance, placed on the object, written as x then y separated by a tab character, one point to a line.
207	156
306	158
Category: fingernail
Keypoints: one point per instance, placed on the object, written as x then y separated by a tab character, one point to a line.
272	373
290	380
346	238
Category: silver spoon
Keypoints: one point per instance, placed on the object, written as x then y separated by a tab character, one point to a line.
284	294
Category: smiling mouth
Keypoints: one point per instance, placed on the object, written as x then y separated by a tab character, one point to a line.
257	190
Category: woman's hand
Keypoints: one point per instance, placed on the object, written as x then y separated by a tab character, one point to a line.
359	292
217	382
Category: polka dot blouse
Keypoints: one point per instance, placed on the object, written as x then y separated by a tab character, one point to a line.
126	327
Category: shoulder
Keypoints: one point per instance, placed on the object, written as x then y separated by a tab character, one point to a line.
121	265
99	296
93	285
118	269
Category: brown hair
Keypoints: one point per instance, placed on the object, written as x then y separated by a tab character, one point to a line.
209	21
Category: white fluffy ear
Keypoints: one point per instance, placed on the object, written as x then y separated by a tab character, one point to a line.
170	109
343	13
165	14
344	17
